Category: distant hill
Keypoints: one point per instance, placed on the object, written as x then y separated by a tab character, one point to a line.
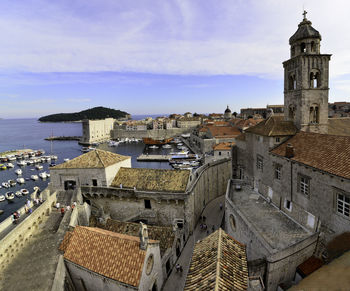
93	113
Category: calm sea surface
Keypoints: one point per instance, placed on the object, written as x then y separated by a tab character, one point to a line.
30	134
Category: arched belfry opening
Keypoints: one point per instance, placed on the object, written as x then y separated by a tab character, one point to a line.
306	80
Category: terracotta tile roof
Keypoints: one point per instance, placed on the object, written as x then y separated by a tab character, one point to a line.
245	123
152	179
329	153
93	159
218	263
221	123
224	131
309	266
223	146
164	234
113	255
65	241
273	126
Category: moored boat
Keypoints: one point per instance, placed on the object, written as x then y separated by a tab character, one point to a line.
10	196
5	185
43	175
18	172
3	167
20	180
24	191
39	167
34	177
151	141
12	183
18	193
2	198
21	163
10	165
153	147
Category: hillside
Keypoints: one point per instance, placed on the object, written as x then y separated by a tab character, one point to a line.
93	113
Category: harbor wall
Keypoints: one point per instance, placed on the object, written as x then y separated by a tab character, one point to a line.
152	133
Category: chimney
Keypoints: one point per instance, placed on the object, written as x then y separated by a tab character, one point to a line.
143	236
289	151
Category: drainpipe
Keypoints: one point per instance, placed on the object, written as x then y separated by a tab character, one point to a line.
291	181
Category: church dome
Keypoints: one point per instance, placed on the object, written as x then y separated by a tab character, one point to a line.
227	110
305	31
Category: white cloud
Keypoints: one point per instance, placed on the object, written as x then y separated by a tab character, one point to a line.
166	37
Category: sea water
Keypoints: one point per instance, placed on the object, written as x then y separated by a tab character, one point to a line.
30	134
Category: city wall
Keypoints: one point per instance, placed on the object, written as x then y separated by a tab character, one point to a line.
152	133
14	241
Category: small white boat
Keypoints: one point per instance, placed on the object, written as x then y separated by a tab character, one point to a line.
48	175
5	185
24	191
153	147
167	146
43	175
10	195
21	163
39	167
66	160
11	157
18	172
34	177
18	193
10	165
12	183
53	157
2	198
30	162
20	180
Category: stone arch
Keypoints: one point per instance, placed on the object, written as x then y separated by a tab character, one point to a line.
292	82
291	112
315	78
314	113
313	49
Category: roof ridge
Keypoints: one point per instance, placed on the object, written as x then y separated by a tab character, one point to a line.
218	260
98	155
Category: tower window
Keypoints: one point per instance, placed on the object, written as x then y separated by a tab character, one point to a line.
315	80
314	114
312	46
292	82
303	48
291	112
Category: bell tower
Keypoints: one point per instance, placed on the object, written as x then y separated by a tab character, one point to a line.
306	80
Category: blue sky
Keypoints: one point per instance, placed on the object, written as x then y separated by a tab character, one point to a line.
157	56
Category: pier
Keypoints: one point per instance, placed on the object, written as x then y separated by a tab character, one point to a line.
154	158
63	138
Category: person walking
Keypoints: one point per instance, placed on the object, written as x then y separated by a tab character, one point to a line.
62	211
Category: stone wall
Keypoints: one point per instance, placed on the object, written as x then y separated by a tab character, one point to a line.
152	133
96	130
14	241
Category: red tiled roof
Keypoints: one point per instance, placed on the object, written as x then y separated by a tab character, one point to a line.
224	131
329	153
223	146
218	263
113	255
274	126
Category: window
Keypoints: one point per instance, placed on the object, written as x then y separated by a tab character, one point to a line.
343	204
259	162
314	114
94	182
219	153
288	204
148	204
278	139
278	171
304	184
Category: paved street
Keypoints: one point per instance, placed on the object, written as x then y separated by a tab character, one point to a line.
176	282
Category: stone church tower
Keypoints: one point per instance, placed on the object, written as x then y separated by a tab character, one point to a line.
306	80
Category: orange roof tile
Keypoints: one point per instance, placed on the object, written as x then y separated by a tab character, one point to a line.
218	263
329	153
273	126
224	131
113	255
223	146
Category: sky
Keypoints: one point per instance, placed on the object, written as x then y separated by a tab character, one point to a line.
158	56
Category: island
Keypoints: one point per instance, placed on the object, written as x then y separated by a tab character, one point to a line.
91	114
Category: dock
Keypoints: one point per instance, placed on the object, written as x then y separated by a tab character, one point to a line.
63	138
154	158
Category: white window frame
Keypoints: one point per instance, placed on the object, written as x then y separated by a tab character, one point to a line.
278	171
343	204
304	185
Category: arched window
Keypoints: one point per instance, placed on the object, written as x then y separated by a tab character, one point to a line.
314	114
292	82
315	79
291	112
303	48
312	46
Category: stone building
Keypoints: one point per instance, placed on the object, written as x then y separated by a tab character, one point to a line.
218	263
297	173
223	150
97	130
227	113
188	122
95	168
97	259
